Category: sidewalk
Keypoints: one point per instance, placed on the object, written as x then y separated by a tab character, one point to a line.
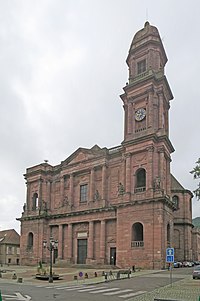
186	289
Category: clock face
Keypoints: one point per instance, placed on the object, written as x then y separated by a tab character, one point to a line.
140	114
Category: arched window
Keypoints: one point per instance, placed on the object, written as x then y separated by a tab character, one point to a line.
137	235
140	180
35	201
168	234
175	200
30	241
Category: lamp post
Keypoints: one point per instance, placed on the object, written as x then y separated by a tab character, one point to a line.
53	244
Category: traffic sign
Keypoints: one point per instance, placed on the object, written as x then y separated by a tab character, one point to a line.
170	251
170	255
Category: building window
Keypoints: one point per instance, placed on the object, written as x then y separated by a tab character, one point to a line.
83	193
30	241
137	236
140	180
141	66
9	250
35	201
175	200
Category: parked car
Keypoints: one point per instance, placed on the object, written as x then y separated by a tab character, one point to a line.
196	262
177	264
196	272
188	264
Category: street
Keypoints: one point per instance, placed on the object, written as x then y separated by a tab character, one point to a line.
125	289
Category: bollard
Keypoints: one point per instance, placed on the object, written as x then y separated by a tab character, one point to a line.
106	277
0	297
95	274
86	275
75	277
20	280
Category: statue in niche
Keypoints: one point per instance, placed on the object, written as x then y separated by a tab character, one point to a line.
121	189
44	206
65	201
157	183
96	195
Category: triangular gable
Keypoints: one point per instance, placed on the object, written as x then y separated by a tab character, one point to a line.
84	154
175	185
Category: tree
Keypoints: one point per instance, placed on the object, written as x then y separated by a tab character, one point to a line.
196	174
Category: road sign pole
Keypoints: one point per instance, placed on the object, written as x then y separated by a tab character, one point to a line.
171	274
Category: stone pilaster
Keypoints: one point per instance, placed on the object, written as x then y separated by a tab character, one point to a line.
91	240
60	242
91	196
102	241
69	242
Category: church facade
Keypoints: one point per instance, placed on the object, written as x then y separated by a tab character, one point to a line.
119	206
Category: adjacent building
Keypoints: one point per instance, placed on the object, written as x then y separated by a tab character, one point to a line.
119	206
9	247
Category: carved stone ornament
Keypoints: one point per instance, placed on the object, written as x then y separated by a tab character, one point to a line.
121	189
96	196
156	183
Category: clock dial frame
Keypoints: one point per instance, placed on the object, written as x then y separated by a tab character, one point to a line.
140	114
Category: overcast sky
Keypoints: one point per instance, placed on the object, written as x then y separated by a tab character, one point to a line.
62	69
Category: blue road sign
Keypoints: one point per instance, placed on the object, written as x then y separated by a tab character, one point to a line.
170	251
170	255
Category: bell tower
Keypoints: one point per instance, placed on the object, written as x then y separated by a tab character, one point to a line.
147	94
146	102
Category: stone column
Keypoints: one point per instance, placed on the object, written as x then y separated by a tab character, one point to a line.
130	118
61	190
69	242
40	194
150	176
160	97
104	182
91	240
60	242
102	241
28	197
150	111
71	183
128	173
161	165
49	194
91	185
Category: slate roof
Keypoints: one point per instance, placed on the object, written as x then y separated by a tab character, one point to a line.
9	237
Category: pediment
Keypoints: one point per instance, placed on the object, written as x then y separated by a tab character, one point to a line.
84	154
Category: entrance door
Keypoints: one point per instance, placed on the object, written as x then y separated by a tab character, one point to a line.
82	251
113	256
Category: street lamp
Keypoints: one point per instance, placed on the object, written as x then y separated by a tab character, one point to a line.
53	244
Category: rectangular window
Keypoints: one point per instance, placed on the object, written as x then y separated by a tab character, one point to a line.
141	66
83	193
9	250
